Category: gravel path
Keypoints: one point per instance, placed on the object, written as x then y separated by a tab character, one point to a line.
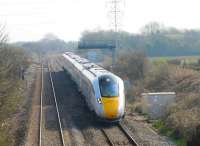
33	130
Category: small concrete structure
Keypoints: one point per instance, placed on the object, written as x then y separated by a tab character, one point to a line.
158	102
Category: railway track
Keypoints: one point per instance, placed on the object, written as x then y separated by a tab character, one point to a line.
123	131
41	103
78	126
112	140
127	133
48	96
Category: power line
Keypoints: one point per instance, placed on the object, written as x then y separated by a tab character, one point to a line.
115	12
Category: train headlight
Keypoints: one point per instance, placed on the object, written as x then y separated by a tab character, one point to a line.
99	100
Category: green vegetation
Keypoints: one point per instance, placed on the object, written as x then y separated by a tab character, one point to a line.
154	40
13	62
49	44
182	121
163	129
163	71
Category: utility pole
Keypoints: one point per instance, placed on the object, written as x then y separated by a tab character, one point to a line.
116	30
115	16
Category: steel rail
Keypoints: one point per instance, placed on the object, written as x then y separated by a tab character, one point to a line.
127	133
57	110
41	104
107	137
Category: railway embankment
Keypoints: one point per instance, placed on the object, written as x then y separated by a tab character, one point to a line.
14	108
144	75
14	74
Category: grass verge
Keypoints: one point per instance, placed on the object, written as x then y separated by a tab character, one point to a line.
164	130
12	103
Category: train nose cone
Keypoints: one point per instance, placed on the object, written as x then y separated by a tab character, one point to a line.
110	106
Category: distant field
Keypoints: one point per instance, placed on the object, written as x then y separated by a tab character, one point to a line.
187	59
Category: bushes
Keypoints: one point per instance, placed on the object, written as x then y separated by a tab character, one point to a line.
184	115
12	61
132	65
159	78
175	61
185	122
167	77
198	62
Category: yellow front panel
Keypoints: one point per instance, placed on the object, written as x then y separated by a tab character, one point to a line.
110	105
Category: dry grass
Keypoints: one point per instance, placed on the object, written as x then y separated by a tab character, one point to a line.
132	66
12	102
11	92
167	77
185	122
184	115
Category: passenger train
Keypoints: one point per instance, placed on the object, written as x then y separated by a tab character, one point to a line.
103	90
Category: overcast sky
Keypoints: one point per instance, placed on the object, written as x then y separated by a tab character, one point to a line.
31	19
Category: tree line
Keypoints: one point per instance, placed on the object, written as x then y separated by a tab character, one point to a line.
50	43
154	40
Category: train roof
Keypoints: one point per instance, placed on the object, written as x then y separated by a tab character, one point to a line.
83	63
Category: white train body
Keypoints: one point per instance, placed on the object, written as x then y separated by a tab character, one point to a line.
103	90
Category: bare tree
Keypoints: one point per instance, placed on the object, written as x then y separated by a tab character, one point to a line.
152	28
5	53
3	36
12	59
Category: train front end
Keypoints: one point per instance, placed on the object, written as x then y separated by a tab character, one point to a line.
112	98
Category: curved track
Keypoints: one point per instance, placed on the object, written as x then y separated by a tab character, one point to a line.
110	135
122	134
64	119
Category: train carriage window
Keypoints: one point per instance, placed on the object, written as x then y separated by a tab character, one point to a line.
108	86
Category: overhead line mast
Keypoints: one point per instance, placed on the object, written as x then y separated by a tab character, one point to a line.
115	12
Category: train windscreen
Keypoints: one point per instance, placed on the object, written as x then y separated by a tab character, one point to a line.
108	86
